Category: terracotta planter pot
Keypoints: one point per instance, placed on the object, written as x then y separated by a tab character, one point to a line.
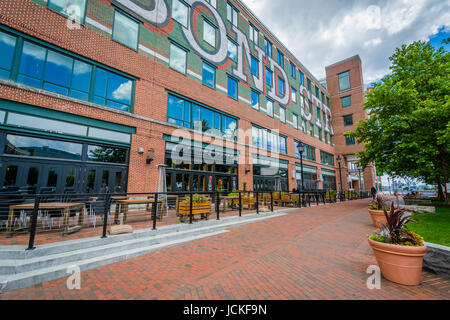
399	264
377	215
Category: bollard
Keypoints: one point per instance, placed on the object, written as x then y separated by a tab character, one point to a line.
240	204
271	201
218	205
155	211
257	203
105	213
191	216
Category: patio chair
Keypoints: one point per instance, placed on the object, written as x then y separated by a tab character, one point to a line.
96	208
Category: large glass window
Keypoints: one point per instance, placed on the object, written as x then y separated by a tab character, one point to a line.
177	58
126	30
232	88
271	141
346	101
255	100
209	33
179	112
280	58
349	141
75	9
53	71
253	34
308	154
269	77
327	158
294	95
180	12
270	108
7	45
106	154
45	148
348	120
301	77
344	80
295	121
268	47
281	85
209	75
232	14
112	90
282	114
293	71
232	50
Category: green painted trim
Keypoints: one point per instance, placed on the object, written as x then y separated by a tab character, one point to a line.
17	107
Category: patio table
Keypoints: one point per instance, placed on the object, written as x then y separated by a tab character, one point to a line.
65	207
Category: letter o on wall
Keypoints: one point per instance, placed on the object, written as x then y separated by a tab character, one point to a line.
218	56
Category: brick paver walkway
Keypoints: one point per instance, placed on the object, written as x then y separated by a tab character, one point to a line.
313	253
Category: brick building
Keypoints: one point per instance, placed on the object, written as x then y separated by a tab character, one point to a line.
97	93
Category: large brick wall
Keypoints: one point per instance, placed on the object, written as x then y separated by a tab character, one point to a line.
154	79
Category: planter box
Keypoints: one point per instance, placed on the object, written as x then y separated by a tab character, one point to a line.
330	198
399	264
197	208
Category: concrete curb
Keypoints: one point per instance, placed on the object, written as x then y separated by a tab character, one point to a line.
437	259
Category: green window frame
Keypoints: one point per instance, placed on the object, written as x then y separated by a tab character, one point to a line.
346	101
344	80
326	158
47	77
348	120
66	9
349	141
121	15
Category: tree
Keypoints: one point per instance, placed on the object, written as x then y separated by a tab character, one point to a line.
408	130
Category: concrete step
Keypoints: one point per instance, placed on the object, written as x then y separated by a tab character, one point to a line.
48	262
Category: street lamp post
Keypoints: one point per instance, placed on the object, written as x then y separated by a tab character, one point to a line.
301	149
339	160
360	184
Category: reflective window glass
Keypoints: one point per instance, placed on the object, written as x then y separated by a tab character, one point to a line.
180	12
232	88
177	58
7	46
126	30
33	175
75	9
10	176
31	64
232	50
209	33
52	179
209	74
106	154
58	69
70	177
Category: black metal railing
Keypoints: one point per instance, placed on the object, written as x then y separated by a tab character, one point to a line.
22	213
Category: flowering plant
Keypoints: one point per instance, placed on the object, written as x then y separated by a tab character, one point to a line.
196	199
219	185
395	231
378	204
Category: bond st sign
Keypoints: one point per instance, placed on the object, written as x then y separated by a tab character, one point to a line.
157	14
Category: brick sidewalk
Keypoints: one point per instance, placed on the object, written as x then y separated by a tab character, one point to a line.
313	253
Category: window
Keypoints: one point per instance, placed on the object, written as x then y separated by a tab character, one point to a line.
308	84
301	77
293	71
268	47
44	148
328	102
209	75
346	101
232	14
232	88
327	158
280	59
269	77
322	97
180	12
177	58
192	115
255	100
232	50
281	86
282	114
209	33
266	139
125	30
213	3
294	95
295	121
317	92
74	9
344	80
308	154
7	45
270	108
253	33
349	141
348	120
254	64
112	90
106	154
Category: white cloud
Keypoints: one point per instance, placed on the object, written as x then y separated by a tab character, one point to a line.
321	33
123	92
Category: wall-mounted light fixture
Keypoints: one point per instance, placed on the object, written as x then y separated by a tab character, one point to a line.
141	150
247	170
150	156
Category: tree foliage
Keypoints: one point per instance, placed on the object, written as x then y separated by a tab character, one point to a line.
408	130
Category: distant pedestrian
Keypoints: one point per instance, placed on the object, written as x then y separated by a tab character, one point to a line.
373	191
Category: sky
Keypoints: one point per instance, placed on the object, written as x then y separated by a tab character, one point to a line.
323	32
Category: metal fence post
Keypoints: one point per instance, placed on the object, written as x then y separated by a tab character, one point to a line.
218	206
191	216
257	203
309	199
33	224
105	213
240	204
155	210
271	201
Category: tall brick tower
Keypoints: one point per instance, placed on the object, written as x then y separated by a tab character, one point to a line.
345	84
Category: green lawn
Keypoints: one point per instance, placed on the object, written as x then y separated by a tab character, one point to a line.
435	228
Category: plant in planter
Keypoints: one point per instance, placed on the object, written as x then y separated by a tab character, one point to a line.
200	206
399	251
376	210
233	201
331	195
220	185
